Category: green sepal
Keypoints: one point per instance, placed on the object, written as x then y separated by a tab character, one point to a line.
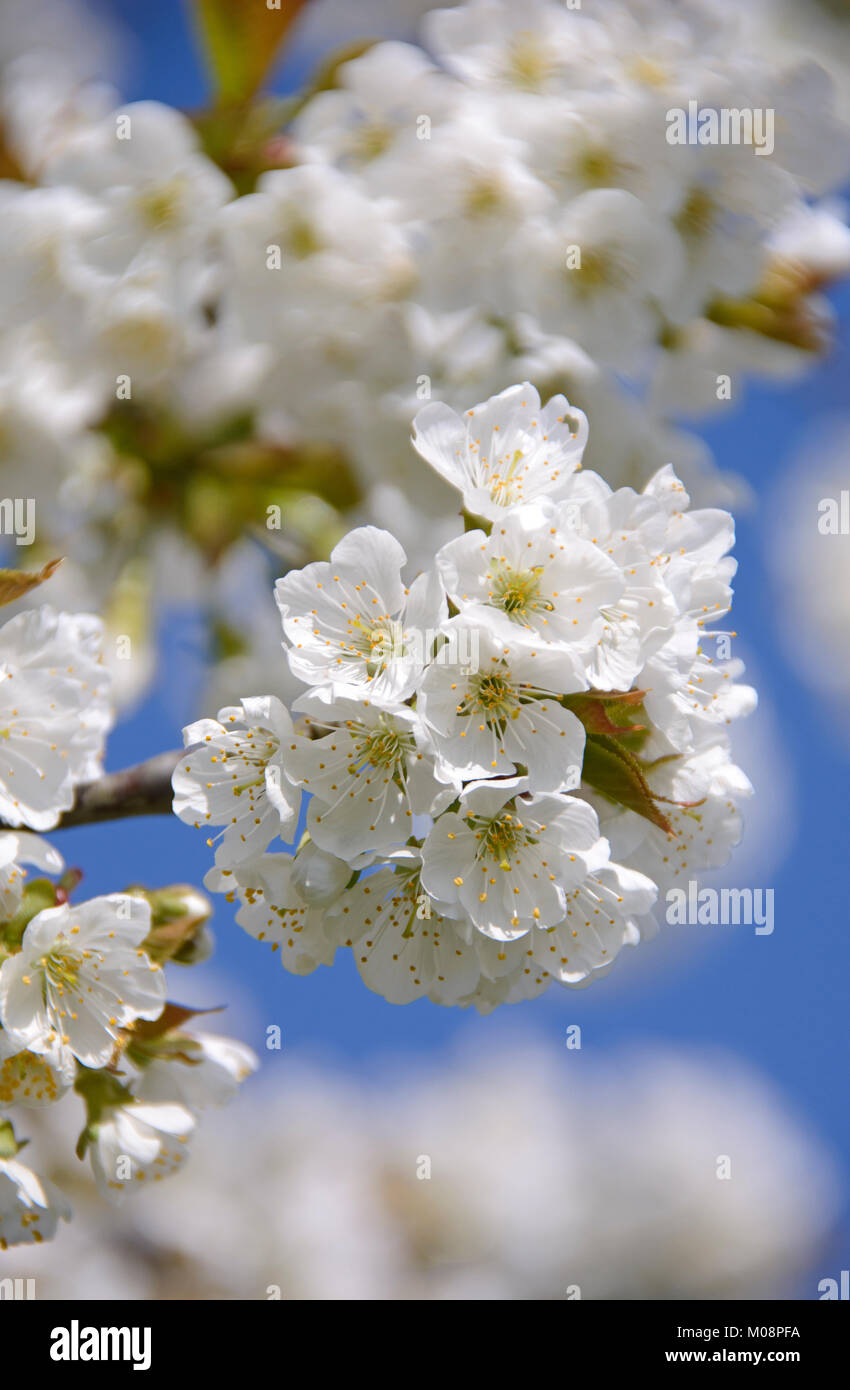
10	1147
39	893
161	1037
174	927
101	1090
471	522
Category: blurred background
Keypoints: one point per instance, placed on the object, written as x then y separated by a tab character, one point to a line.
551	1166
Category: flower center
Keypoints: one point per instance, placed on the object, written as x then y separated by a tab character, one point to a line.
162	206
492	695
378	642
61	966
506	487
252	755
598	167
517	592
383	746
697	214
372	140
485	197
301	238
650	71
26	1075
500	837
599	269
528	64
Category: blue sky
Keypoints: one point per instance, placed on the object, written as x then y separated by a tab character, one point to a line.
779	1002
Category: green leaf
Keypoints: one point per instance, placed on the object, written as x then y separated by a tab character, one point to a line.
15	583
598	715
241	41
792	322
172	1016
612	712
615	772
620	697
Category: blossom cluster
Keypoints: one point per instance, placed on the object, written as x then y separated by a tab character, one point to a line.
503	761
82	985
501	203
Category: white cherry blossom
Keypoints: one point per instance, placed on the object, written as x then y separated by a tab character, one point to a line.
137	1143
369	122
539	48
17	849
206	1070
33	1079
144	164
81	976
30	1207
54	712
531	580
509	861
367	778
233	775
273	909
404	946
353	626
603	913
599	271
505	713
508	450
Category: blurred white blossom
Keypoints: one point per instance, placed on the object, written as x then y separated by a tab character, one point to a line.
516	1177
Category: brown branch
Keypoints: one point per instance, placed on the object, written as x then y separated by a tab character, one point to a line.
143	790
